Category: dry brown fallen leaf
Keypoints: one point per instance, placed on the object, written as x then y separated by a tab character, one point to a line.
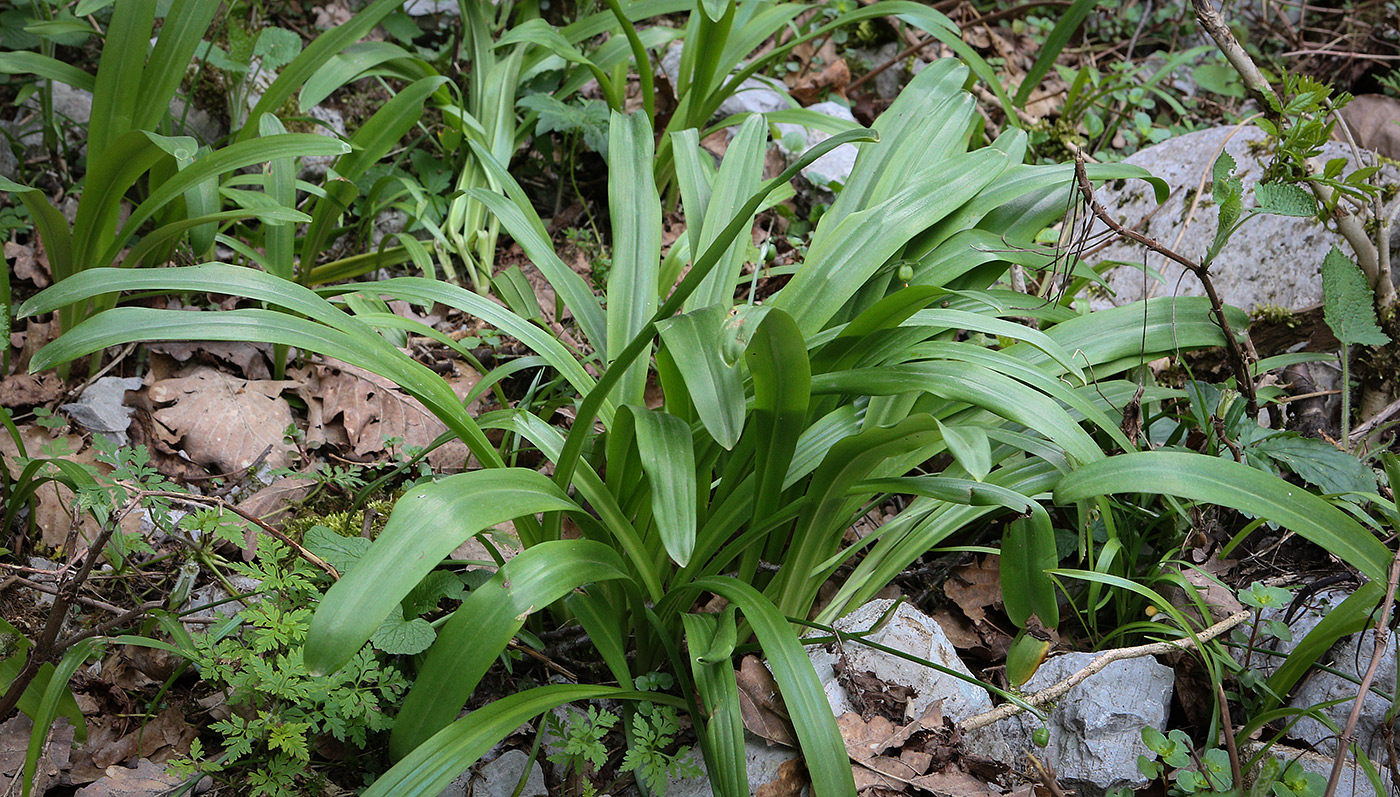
28	264
372	409
225	422
791	780
146	780
29	390
14	744
271	502
249	360
760	704
976	588
1373	120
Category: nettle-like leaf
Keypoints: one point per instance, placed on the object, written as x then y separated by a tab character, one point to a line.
1229	195
1285	199
403	637
1348	304
336	550
1319	463
589	117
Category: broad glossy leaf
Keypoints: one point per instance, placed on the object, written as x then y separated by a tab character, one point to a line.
782	382
636	228
970	448
427	524
716	388
1199	477
668	459
1027	553
486	621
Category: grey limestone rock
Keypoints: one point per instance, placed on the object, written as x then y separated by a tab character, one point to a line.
761	762
913	632
1095	729
102	407
832	170
1271	260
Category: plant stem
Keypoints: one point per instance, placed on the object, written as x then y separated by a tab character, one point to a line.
1346	397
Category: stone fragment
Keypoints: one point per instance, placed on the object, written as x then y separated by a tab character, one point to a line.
913	632
832	170
1095	729
754	95
102	407
1272	261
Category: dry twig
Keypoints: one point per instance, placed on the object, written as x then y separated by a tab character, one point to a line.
1236	353
1052	693
1347	738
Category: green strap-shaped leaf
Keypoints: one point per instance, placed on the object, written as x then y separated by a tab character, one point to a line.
822	747
1199	477
716	388
486	621
737	179
433	766
636	228
294	75
723	729
782	383
668	459
840	262
427	524
1027	553
22	62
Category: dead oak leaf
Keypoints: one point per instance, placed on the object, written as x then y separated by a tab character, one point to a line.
226	422
29	390
372	409
760	705
954	781
976	588
790	782
146	780
29	264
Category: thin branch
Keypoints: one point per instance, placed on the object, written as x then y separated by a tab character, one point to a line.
1345	741
1238	363
1052	693
251	518
1253	79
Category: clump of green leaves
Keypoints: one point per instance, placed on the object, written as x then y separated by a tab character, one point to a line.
1301	125
279	707
583	745
1209	772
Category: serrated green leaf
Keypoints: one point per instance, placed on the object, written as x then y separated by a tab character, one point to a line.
1318	463
589	118
1348	304
336	550
1285	199
402	637
437	585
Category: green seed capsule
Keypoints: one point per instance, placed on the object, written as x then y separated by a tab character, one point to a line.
906	273
1041	736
